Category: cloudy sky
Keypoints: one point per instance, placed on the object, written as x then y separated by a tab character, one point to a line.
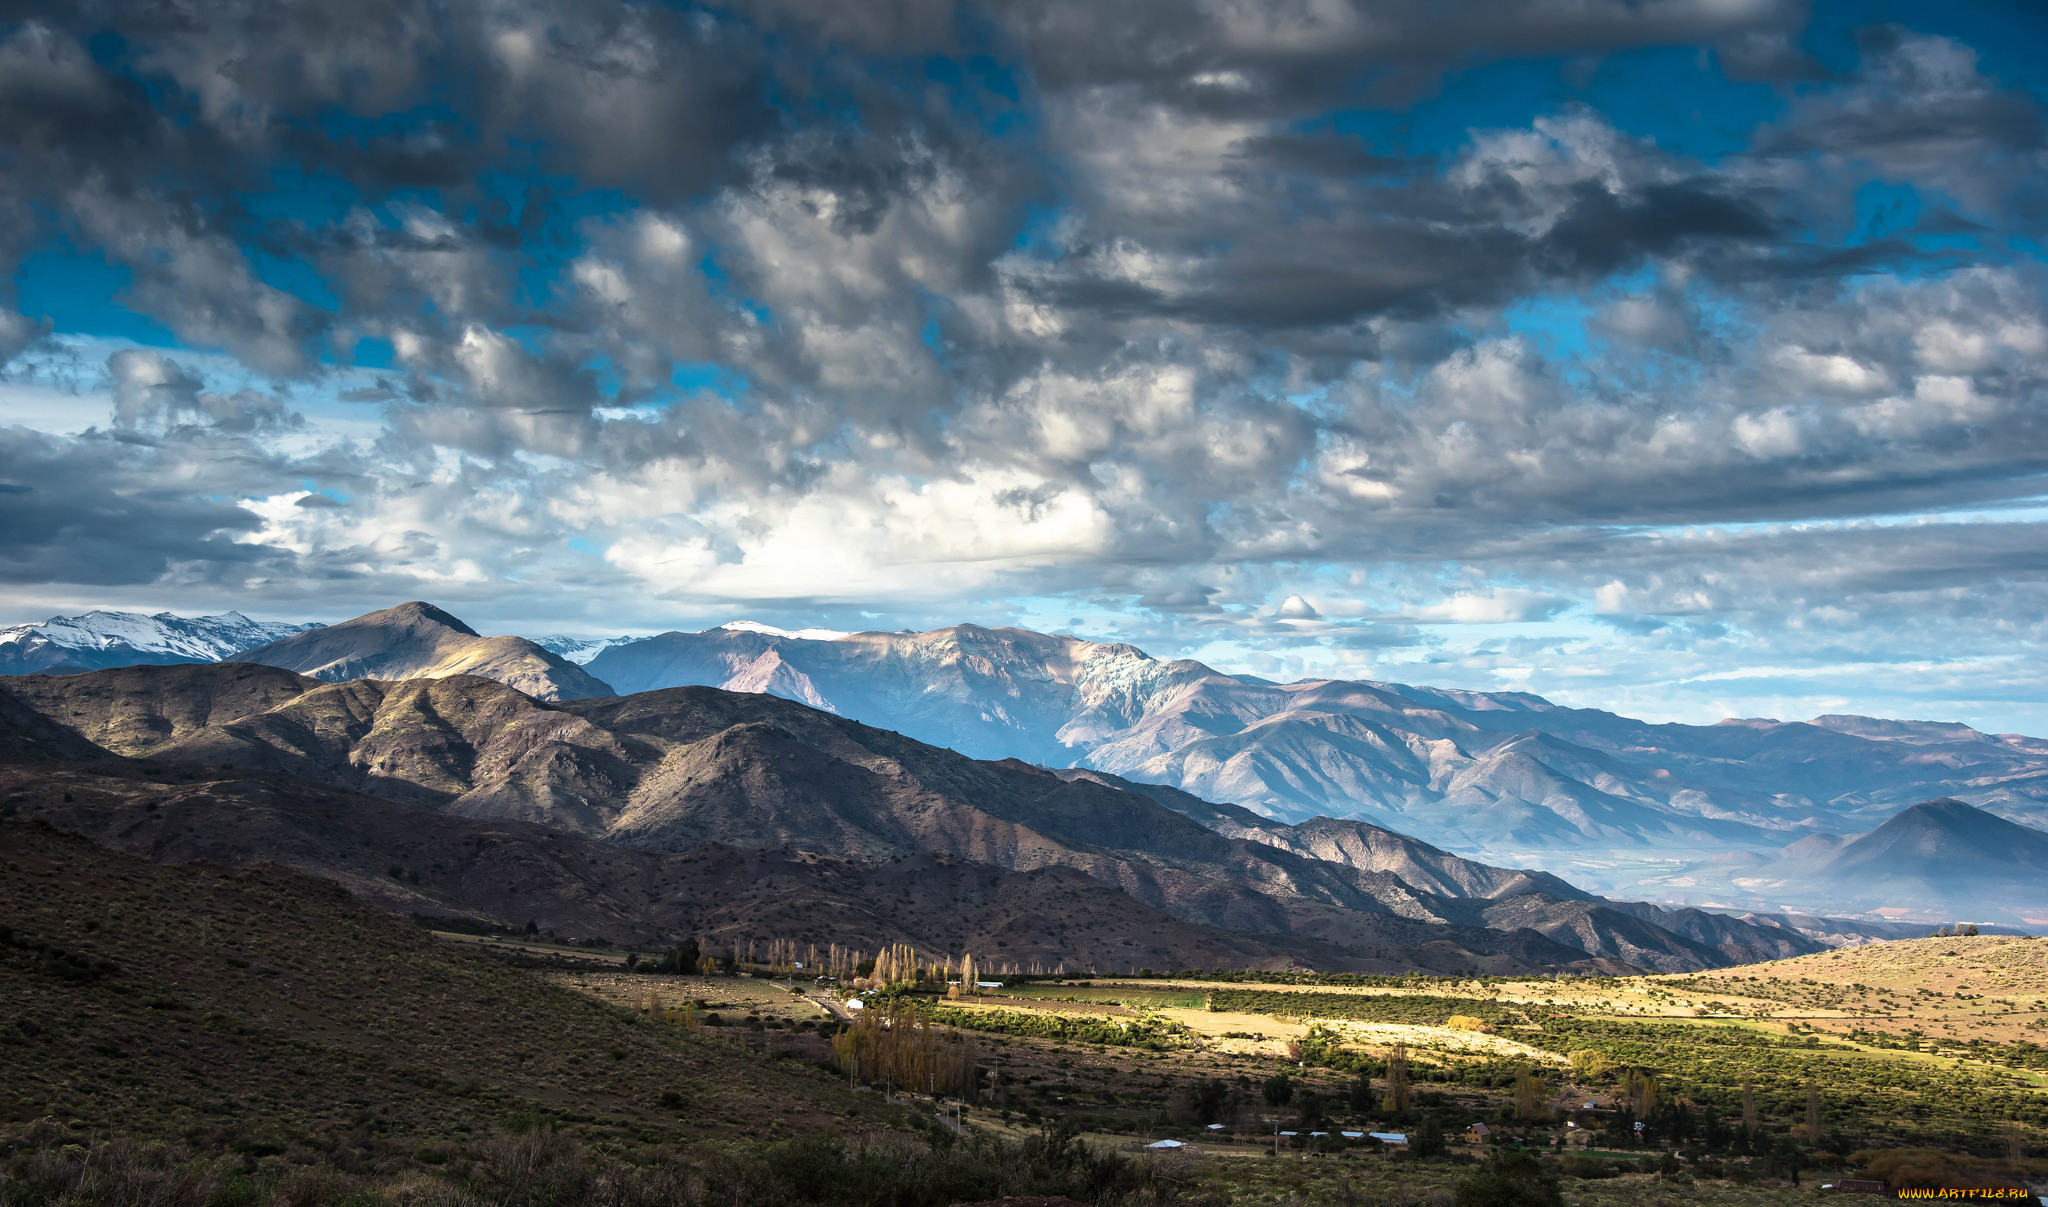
1681	357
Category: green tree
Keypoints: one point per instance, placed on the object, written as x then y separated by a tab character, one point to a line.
1530	1094
1427	1140
1312	1107
1397	1079
1210	1100
1279	1090
1361	1093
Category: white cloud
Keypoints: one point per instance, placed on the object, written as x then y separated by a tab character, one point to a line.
1496	605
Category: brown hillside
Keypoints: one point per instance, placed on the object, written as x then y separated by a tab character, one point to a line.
262	1007
416	861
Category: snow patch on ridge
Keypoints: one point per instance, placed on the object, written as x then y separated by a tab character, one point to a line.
755	626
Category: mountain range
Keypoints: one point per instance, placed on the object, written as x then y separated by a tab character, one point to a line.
1616	804
1728	815
640	802
99	639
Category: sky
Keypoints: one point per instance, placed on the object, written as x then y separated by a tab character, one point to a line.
1678	357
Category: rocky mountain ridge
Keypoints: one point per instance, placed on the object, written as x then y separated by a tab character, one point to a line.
679	769
1506	776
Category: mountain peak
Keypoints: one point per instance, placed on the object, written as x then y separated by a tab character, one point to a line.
415	612
1946	839
417	640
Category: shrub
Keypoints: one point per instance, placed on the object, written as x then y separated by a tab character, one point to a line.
1578	1165
1510	1179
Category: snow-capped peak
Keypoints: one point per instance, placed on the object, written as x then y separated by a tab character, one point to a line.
102	638
755	626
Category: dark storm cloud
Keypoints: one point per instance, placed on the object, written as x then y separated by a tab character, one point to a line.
1294	53
97	511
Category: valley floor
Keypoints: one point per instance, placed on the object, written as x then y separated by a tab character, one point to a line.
198	1037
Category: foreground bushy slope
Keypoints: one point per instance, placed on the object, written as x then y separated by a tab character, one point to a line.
269	1010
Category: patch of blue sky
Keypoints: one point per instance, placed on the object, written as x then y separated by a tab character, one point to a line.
699	377
309	200
1677	97
546	247
532	337
373	352
2025	509
1557	324
547	463
2009	38
1682	100
333	492
1039	230
1884	209
51	408
80	294
980	92
293	275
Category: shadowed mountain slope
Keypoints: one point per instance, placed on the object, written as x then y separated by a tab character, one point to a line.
1353	843
507	873
420	641
1951	837
1527	898
676	769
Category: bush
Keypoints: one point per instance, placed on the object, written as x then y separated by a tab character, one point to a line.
1578	1165
1510	1179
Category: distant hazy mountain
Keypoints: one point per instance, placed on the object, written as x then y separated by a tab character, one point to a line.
420	641
681	768
99	639
1509	775
1944	854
